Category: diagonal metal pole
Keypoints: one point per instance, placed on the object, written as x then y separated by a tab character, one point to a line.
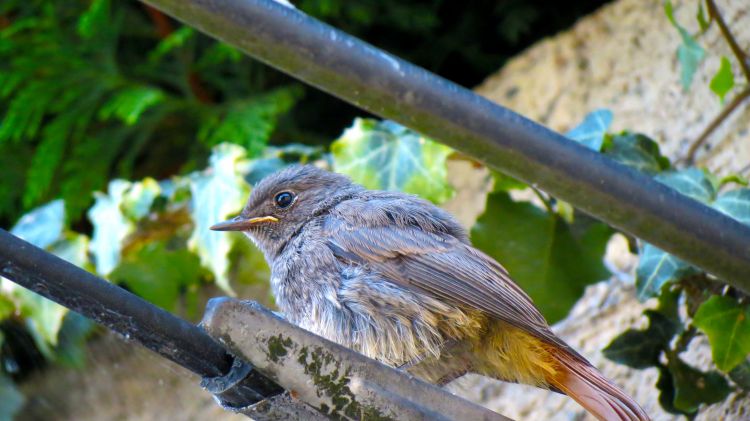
393	88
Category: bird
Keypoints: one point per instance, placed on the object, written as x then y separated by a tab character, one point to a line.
397	279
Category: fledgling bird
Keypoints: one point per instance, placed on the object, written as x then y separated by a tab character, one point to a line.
397	279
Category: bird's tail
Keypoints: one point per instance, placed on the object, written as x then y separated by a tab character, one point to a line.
587	386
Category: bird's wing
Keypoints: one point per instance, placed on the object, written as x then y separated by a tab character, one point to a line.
440	265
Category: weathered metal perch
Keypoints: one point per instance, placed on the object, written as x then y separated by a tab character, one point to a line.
339	382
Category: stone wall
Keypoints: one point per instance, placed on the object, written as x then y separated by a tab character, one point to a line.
622	58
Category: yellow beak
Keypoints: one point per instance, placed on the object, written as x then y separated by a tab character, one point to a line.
239	224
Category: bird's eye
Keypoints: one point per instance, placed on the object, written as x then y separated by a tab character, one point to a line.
284	199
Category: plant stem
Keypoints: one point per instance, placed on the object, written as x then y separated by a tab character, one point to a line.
715	123
742	57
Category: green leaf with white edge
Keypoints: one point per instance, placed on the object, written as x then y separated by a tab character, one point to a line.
11	399
727	325
689	53
111	227
137	200
217	193
693	387
657	268
43	225
636	151
544	256
159	274
691	182
130	103
591	131
735	203
387	156
723	80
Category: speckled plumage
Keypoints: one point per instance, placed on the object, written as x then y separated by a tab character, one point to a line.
396	278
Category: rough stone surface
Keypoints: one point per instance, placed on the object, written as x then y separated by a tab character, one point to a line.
622	58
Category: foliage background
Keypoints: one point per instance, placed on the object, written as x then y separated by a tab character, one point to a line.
115	91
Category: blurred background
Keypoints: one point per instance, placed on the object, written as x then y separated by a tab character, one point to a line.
124	135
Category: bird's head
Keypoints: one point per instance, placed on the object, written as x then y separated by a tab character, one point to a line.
284	202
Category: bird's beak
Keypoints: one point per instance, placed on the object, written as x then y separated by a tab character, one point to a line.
240	224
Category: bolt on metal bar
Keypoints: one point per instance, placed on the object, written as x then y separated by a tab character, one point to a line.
383	84
125	313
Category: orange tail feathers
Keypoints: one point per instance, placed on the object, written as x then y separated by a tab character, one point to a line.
587	386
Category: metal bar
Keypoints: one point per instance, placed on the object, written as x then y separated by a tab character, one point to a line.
342	383
119	310
393	88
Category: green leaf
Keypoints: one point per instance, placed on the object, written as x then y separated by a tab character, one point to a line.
130	103
11	400
7	308
543	255
740	374
723	80
43	225
111	227
642	348
171	42
657	268
735	203
97	16
71	347
387	156
636	151
158	274
249	123
666	388
693	387
505	183
726	324
689	53
691	182
703	22
137	200
591	131
217	193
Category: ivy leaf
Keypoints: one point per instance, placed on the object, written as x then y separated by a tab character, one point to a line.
111	227
693	387
157	274
656	268
387	156
217	193
735	203
591	131
71	348
666	388
636	151
741	374
689	53
726	324
691	182
137	200
505	183
543	255
723	80
642	348
703	22
11	400
43	225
